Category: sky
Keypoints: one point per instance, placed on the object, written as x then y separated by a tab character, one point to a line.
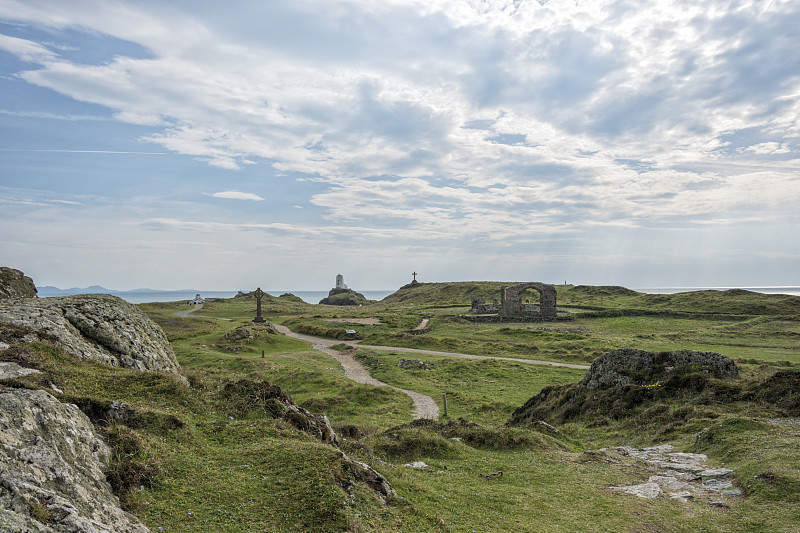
229	145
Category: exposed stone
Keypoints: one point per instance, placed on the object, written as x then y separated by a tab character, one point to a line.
685	475
344	297
364	473
99	327
416	464
722	487
648	490
681	496
639	367
10	370
715	472
15	284
670	483
52	470
415	364
480	307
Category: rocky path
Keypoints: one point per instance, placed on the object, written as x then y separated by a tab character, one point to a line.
197	307
424	406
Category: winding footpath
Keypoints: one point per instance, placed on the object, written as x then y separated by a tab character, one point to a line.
424	406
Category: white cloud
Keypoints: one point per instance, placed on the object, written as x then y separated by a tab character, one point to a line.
769	148
455	119
236	195
26	50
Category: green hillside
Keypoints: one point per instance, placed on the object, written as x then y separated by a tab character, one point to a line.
588	297
217	456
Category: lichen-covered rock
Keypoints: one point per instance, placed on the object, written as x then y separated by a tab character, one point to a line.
15	284
52	470
97	326
628	365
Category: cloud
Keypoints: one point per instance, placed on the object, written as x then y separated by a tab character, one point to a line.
455	120
236	195
26	50
769	148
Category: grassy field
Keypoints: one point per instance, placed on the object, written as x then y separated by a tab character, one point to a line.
194	462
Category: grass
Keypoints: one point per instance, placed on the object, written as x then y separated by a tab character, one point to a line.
204	463
484	391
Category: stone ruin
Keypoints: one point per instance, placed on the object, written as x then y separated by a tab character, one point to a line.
512	304
480	307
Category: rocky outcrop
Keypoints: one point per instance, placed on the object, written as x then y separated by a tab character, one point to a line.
344	297
15	284
639	367
98	326
681	476
52	466
247	396
363	473
620	381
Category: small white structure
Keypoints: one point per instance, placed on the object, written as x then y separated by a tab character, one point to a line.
197	300
340	282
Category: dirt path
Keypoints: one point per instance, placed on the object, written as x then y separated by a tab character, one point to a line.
424	406
467	355
185	314
422	324
197	307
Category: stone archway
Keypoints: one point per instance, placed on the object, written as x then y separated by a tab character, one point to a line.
511	303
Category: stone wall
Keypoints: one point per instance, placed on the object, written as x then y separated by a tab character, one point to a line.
511	303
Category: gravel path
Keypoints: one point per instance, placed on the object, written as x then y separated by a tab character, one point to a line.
424	406
197	307
422	324
192	310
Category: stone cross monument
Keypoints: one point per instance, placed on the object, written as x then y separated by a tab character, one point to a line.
259	294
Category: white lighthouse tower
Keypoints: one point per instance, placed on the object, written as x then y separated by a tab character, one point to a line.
340	282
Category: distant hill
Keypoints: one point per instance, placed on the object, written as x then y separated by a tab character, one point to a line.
606	298
49	290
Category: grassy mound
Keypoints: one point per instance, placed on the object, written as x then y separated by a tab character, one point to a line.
428	438
445	294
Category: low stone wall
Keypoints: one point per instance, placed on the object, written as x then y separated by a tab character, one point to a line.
498	318
419	331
